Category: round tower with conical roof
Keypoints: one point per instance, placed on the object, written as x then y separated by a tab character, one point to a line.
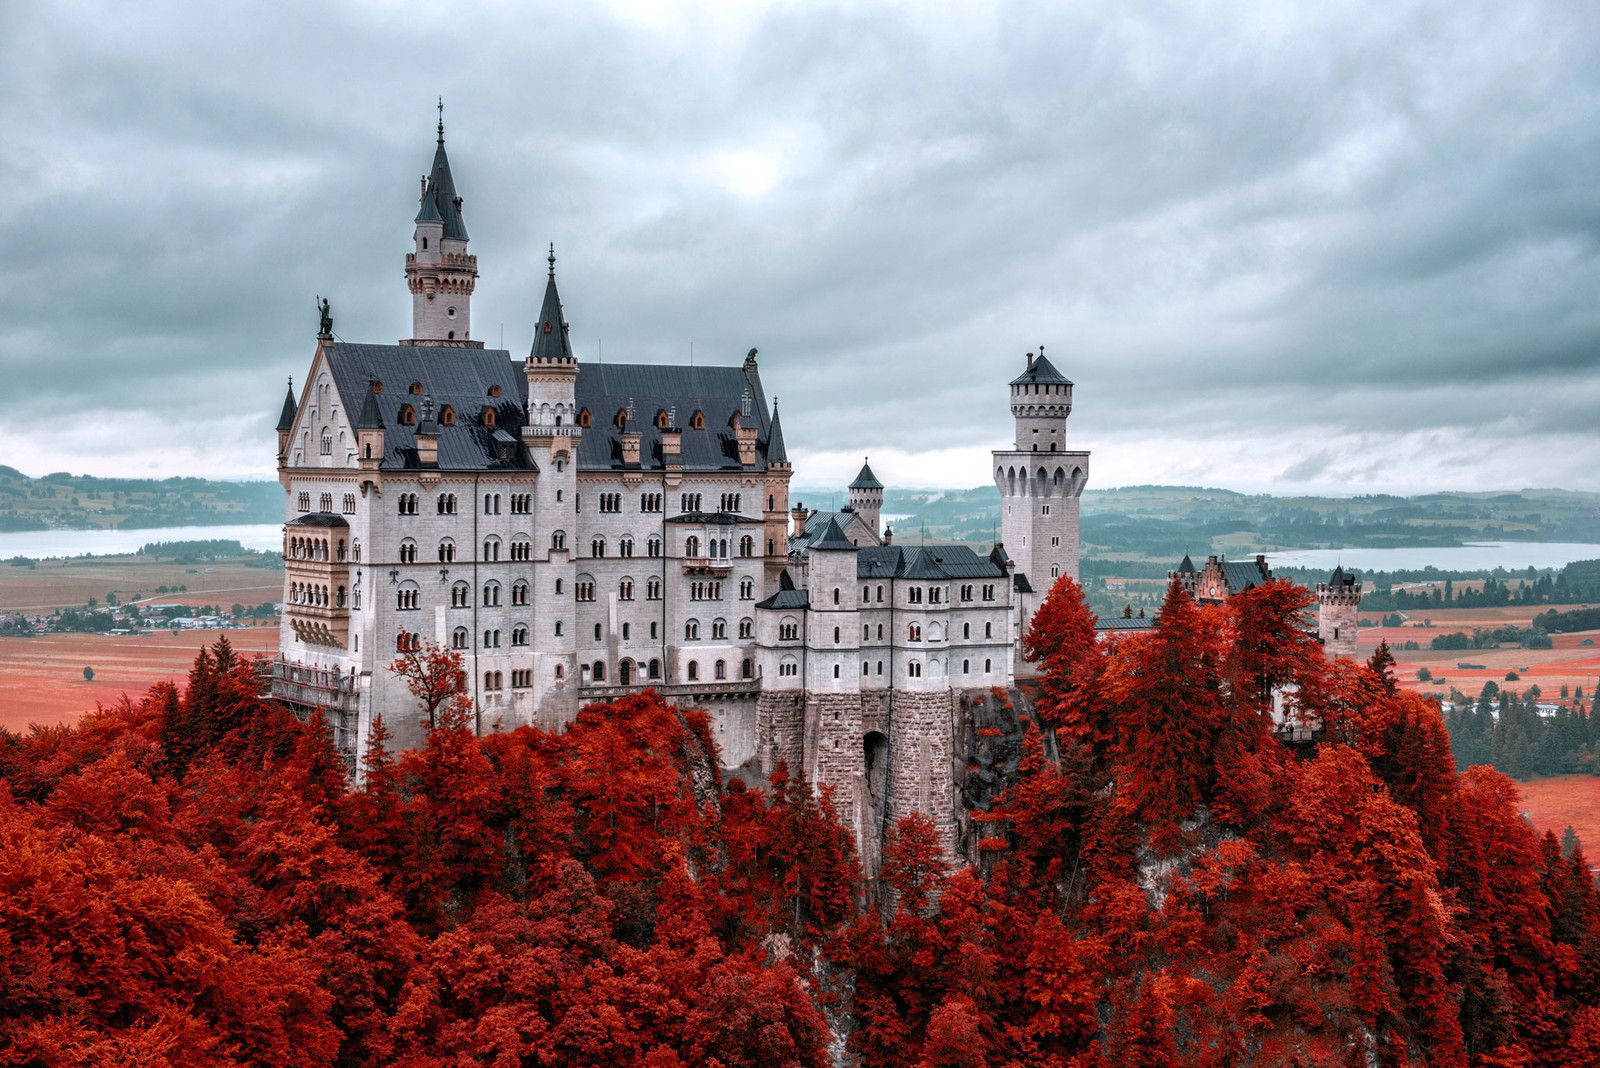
866	498
440	272
1338	613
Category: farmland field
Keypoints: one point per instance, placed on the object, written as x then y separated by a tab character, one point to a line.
41	679
1555	803
53	584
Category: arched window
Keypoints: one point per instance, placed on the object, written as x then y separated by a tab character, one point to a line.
447	416
460	595
691	630
691	547
598	671
488	416
747	668
458	638
447	551
491	594
519	635
519	592
625	590
697	421
721	670
408	551
408	415
694	671
621	419
494	391
416	389
597	546
655	669
662	422
747	546
747	628
583	418
558	541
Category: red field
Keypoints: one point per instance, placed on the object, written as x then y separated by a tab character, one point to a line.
41	679
1555	803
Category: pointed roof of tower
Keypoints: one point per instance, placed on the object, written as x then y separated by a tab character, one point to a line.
833	537
286	419
550	332
1186	566
1040	371
370	419
866	480
776	454
439	200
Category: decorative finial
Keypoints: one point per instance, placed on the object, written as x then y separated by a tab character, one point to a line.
441	120
1041	350
551	259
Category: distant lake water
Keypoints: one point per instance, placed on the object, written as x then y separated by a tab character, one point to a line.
1511	555
41	544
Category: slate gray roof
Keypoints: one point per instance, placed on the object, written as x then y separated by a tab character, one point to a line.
721	519
319	519
929	562
833	538
716	392
369	419
462	378
1186	566
1341	577
787	596
1043	372
776	454
458	377
550	332
286	418
439	200
866	479
1242	574
1118	623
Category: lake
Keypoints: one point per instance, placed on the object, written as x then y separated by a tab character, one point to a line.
1511	555
40	544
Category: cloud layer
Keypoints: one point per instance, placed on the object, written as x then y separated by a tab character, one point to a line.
1333	247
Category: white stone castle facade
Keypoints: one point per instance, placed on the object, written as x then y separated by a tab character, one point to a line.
577	530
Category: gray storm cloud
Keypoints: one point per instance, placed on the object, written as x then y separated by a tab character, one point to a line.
1335	247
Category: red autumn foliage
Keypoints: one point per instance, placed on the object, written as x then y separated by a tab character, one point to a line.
1165	879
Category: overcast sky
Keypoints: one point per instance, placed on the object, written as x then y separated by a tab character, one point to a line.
1329	247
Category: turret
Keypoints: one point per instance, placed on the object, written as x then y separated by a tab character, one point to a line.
1338	610
369	430
440	272
866	497
286	423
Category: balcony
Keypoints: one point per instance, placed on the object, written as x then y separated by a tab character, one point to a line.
319	624
691	690
313	687
705	565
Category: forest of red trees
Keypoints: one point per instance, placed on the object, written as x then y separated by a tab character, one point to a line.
187	879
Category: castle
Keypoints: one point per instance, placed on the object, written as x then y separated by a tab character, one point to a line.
577	530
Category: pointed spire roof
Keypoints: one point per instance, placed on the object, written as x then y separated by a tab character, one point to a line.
1040	371
550	332
370	419
776	454
286	419
1186	567
439	200
866	480
832	537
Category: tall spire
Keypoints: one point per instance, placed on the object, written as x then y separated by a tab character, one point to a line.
776	454
550	339
286	418
439	200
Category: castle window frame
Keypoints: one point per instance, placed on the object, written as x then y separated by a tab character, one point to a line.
303	502
719	629
662	422
491	594
349	504
447	551
494	391
408	551
519	592
583	418
416	389
691	630
458	638
447	416
488	416
697	421
747	628
461	595
408	415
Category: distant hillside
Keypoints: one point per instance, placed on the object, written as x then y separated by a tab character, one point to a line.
1164	522
63	501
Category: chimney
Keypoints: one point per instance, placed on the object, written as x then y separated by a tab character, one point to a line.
746	432
797	520
630	448
888	535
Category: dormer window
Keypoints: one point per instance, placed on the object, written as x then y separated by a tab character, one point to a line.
698	420
661	419
488	417
494	391
447	416
408	415
583	418
621	419
416	389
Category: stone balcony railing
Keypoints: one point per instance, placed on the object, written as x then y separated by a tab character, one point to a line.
723	688
707	565
312	687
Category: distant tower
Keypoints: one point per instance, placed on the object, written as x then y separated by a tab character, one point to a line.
866	498
1338	604
1040	483
440	272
